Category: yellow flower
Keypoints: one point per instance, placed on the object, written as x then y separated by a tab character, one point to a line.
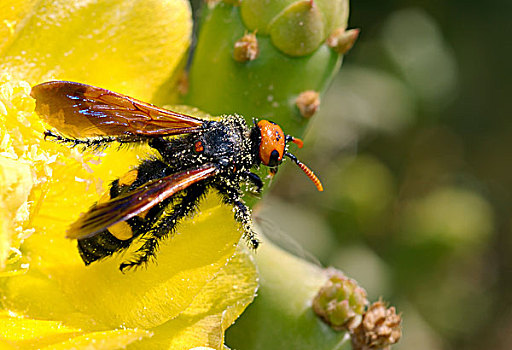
202	281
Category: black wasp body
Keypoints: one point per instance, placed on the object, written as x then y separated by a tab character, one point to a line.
194	156
223	143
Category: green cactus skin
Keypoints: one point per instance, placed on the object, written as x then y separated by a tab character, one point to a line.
264	88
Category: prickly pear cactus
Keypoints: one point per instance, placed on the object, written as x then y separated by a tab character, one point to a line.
273	59
257	58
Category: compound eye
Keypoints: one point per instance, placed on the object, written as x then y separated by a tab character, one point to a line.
274	158
272	143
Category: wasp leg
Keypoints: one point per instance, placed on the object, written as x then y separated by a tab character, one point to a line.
232	195
166	225
254	179
94	143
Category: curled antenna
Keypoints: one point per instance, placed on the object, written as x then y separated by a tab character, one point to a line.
309	173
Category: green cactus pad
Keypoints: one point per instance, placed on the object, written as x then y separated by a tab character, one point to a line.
266	87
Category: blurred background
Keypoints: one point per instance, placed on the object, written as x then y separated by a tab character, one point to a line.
414	147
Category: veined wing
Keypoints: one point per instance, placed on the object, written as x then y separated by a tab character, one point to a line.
103	215
82	111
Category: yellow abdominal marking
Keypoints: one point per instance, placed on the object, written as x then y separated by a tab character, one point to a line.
121	231
128	178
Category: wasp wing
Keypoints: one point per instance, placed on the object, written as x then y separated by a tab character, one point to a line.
103	215
82	111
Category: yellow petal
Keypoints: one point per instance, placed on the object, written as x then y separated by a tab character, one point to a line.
131	46
59	286
108	340
23	333
213	310
16	183
144	298
10	16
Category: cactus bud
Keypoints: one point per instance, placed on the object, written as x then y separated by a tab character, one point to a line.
299	29
233	2
308	103
182	83
340	302
342	40
211	2
296	27
380	328
246	48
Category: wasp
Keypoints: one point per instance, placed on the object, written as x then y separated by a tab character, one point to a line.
193	156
